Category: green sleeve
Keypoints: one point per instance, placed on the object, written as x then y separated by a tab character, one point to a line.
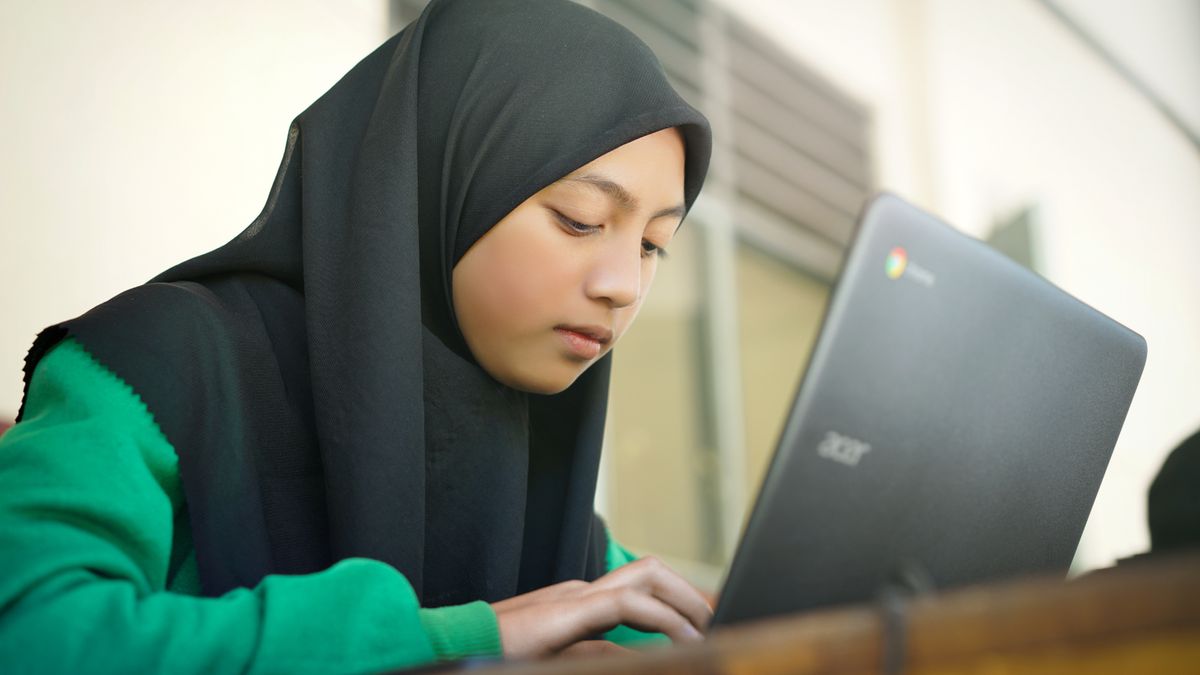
616	556
90	500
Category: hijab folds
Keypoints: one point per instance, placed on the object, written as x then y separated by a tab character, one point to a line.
310	373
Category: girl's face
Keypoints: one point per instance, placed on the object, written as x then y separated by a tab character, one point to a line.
553	285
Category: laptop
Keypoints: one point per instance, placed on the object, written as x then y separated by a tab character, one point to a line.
952	427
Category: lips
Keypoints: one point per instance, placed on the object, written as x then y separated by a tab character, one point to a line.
598	333
584	343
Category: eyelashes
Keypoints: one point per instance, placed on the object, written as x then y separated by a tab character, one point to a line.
579	227
649	249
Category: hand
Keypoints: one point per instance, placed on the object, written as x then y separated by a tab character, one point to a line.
644	594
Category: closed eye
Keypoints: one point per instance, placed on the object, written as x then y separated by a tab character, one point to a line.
581	228
649	249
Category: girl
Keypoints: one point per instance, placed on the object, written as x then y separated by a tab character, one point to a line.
364	434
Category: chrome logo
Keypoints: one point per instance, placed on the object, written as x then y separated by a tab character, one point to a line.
897	260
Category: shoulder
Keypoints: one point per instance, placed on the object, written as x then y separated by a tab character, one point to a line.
186	315
68	373
184	345
184	323
84	420
69	386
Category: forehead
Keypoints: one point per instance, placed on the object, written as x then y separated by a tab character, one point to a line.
649	169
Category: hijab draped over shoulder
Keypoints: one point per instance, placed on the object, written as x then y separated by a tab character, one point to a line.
310	373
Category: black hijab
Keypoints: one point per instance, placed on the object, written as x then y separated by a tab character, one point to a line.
311	374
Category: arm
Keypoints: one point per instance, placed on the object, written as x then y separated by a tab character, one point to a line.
89	494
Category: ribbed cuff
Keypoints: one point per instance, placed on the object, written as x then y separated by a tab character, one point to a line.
460	631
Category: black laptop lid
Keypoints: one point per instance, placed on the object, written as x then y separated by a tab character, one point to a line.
955	419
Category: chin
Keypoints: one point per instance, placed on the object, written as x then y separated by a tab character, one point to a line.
547	381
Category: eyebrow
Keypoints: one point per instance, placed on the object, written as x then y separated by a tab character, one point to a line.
624	199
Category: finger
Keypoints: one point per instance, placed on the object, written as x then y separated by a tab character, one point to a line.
655	577
637	609
594	648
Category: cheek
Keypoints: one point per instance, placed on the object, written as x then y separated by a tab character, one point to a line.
519	290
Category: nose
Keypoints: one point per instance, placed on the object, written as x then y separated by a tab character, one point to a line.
616	275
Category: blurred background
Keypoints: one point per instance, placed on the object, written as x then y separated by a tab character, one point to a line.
1065	132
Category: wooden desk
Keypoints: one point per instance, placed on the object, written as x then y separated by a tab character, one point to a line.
1144	619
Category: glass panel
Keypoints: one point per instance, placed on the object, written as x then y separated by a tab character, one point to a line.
654	464
661	483
780	310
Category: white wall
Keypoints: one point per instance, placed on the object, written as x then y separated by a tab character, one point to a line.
138	134
1159	43
983	106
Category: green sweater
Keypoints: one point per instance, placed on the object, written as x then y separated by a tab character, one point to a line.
98	572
